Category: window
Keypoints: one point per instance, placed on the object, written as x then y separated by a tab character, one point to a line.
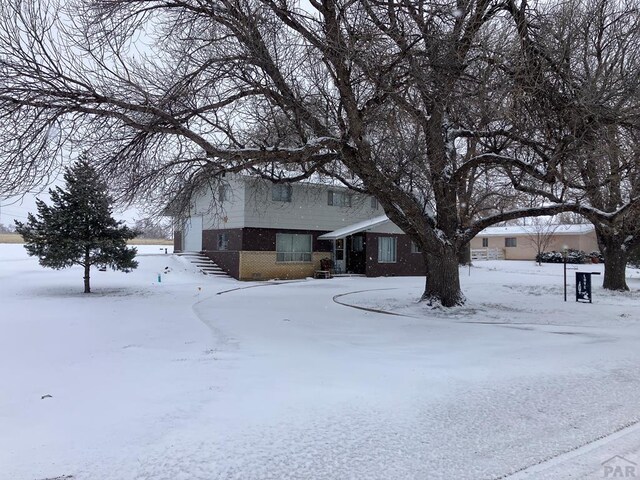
223	241
340	249
387	247
374	203
415	248
339	199
357	244
510	242
291	247
485	242
281	192
223	193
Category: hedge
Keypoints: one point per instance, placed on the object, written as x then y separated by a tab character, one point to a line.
573	256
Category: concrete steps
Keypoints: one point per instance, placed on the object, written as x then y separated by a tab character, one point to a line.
204	263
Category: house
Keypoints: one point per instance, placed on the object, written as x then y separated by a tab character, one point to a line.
517	242
256	229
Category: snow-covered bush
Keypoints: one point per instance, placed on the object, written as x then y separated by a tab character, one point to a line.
597	255
573	256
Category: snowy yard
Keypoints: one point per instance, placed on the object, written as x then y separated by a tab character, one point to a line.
176	380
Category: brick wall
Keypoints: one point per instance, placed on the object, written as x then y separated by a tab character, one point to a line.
177	241
264	239
229	261
258	265
407	263
210	239
251	253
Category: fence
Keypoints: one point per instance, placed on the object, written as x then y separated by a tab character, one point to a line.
487	254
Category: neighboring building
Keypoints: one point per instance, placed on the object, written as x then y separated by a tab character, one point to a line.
518	242
255	229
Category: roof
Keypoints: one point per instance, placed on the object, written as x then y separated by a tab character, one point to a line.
312	182
515	230
355	228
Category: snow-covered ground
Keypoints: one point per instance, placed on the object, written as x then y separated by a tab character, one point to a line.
176	380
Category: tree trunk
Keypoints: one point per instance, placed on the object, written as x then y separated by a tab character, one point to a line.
615	267
615	261
443	279
87	271
464	255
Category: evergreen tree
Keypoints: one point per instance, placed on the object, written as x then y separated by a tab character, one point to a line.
78	228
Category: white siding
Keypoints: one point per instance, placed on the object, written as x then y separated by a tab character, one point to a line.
229	213
308	209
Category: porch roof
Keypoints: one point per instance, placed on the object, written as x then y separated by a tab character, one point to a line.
355	228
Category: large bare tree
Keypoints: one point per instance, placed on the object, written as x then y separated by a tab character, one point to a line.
410	100
582	79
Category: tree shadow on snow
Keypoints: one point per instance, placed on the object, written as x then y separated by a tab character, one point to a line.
72	291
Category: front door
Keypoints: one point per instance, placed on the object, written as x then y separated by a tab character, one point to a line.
339	255
192	234
356	258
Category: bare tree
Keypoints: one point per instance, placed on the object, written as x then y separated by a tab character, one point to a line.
570	218
410	100
7	228
540	234
152	228
582	77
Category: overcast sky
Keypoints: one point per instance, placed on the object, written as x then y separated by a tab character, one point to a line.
16	208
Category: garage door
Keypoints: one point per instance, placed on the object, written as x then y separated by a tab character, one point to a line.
193	234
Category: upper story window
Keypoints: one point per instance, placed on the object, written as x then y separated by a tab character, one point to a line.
223	193
374	203
339	199
281	192
510	242
415	248
485	242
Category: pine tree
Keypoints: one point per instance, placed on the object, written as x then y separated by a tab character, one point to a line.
78	228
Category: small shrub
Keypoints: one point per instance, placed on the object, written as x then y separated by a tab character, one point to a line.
597	255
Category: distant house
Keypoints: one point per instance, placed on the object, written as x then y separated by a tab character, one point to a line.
517	242
255	229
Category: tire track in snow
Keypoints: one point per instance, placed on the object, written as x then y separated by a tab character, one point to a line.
367	309
261	285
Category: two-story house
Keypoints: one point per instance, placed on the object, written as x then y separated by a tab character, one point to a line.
255	229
